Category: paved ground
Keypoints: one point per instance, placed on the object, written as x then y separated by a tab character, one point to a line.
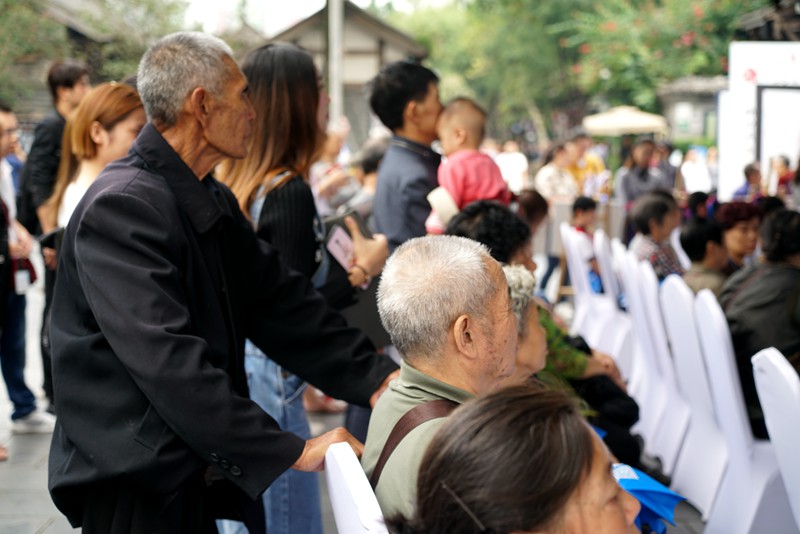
25	506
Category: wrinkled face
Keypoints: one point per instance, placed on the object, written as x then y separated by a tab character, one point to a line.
119	139
599	505
532	347
742	238
497	345
231	118
9	133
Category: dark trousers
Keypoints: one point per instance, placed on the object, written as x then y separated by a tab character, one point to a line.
119	508
47	365
12	355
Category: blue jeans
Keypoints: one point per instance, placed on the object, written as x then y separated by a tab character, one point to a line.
12	356
292	502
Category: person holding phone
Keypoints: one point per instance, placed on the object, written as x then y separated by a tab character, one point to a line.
272	186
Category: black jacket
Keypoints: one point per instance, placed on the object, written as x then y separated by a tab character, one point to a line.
160	280
39	175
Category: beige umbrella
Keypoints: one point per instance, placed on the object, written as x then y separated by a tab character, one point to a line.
623	120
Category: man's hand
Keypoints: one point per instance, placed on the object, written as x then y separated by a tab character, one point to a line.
50	258
313	457
20	248
370	254
385	384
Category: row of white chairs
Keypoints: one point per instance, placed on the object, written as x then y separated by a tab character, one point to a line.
678	358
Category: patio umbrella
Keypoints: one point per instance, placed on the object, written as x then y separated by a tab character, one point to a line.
623	120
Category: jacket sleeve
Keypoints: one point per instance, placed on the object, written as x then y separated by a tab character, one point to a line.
417	207
42	162
128	257
293	323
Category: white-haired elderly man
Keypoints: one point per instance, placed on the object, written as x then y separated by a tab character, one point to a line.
160	280
445	302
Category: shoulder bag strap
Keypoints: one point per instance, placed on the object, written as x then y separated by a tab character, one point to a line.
411	420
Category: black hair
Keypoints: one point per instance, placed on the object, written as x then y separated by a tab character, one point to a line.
395	86
554	149
492	224
532	206
653	206
5	107
371	154
506	462
695	235
769	205
695	200
780	235
65	73
583	204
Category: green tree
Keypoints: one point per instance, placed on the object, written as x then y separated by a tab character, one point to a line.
26	36
134	25
629	48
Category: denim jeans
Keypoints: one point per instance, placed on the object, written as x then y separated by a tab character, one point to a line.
12	356
292	502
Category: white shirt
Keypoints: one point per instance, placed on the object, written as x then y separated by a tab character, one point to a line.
72	195
514	168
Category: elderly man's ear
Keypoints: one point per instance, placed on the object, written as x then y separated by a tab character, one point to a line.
200	104
465	330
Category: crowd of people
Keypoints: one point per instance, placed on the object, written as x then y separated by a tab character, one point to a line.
194	280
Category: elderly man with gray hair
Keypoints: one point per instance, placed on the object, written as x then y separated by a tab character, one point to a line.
445	303
160	280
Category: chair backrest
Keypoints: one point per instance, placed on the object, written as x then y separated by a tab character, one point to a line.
578	269
602	252
675	241
726	389
629	271
677	307
355	508
778	389
648	283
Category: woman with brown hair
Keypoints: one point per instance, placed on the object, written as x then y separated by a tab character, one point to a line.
271	184
101	129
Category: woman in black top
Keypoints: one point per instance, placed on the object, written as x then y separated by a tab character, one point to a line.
271	184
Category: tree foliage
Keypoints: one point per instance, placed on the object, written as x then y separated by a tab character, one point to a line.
522	57
628	48
26	36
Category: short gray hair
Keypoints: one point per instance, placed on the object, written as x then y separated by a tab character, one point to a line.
521	284
177	65
427	284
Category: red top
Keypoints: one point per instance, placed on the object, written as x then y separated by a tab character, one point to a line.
469	175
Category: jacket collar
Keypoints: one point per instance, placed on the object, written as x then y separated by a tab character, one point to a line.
196	198
426	152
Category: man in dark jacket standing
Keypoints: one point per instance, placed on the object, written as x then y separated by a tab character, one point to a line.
405	97
160	280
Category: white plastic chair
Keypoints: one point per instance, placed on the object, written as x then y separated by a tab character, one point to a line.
751	498
675	241
778	389
704	456
355	508
672	428
646	385
602	252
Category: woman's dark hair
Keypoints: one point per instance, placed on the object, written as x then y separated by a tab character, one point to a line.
395	86
780	235
284	88
654	206
696	235
768	205
731	213
695	200
371	154
505	462
533	207
554	149
493	225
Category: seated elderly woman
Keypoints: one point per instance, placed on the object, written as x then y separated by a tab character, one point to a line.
592	374
739	221
515	461
531	337
762	305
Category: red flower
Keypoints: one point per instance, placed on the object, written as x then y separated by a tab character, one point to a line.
610	26
698	11
584	48
576	68
688	38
